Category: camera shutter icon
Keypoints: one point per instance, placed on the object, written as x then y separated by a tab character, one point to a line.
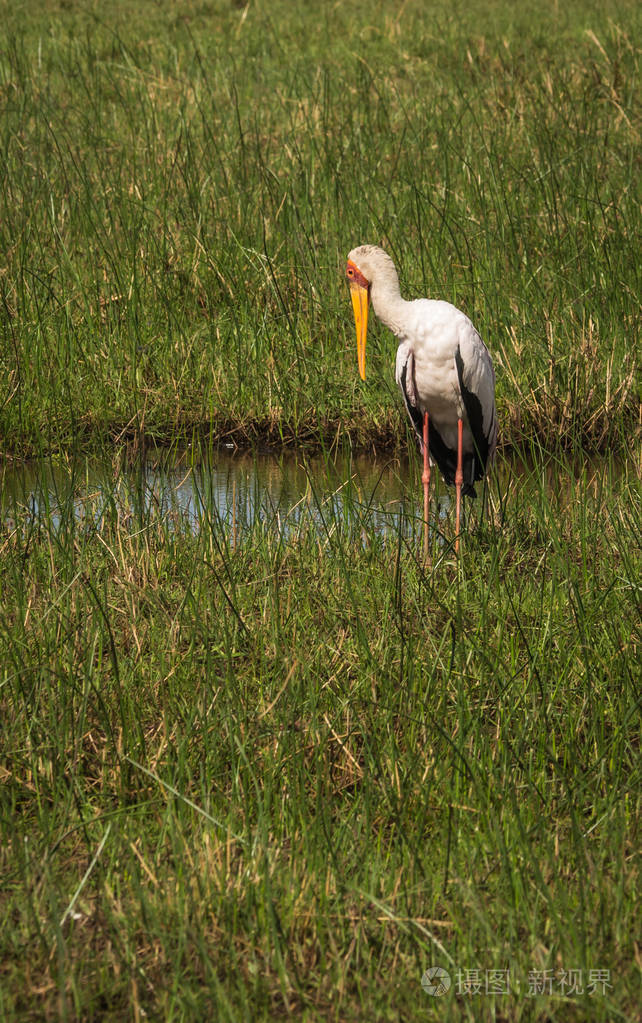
436	981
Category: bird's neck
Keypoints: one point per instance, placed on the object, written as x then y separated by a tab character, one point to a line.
389	306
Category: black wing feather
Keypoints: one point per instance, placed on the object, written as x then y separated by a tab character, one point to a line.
472	404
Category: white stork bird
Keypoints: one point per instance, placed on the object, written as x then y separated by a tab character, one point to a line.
444	370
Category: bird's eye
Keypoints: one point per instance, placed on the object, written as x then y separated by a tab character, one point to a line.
350	272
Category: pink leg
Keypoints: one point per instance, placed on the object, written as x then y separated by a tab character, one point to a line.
459	479
426	482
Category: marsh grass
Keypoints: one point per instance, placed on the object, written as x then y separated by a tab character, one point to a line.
288	772
180	190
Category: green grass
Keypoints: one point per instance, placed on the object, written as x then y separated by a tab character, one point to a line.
285	775
182	183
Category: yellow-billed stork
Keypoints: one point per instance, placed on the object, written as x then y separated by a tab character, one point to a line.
444	371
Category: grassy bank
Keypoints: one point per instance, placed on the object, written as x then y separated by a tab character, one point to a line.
286	775
181	184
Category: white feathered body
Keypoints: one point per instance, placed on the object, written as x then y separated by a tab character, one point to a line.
433	332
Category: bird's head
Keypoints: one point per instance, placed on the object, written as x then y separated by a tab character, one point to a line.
368	267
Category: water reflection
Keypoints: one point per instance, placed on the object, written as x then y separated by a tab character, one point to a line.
238	492
221	489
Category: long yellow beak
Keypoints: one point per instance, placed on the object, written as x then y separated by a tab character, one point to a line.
359	296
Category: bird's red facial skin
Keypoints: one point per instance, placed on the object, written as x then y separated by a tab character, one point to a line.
353	273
